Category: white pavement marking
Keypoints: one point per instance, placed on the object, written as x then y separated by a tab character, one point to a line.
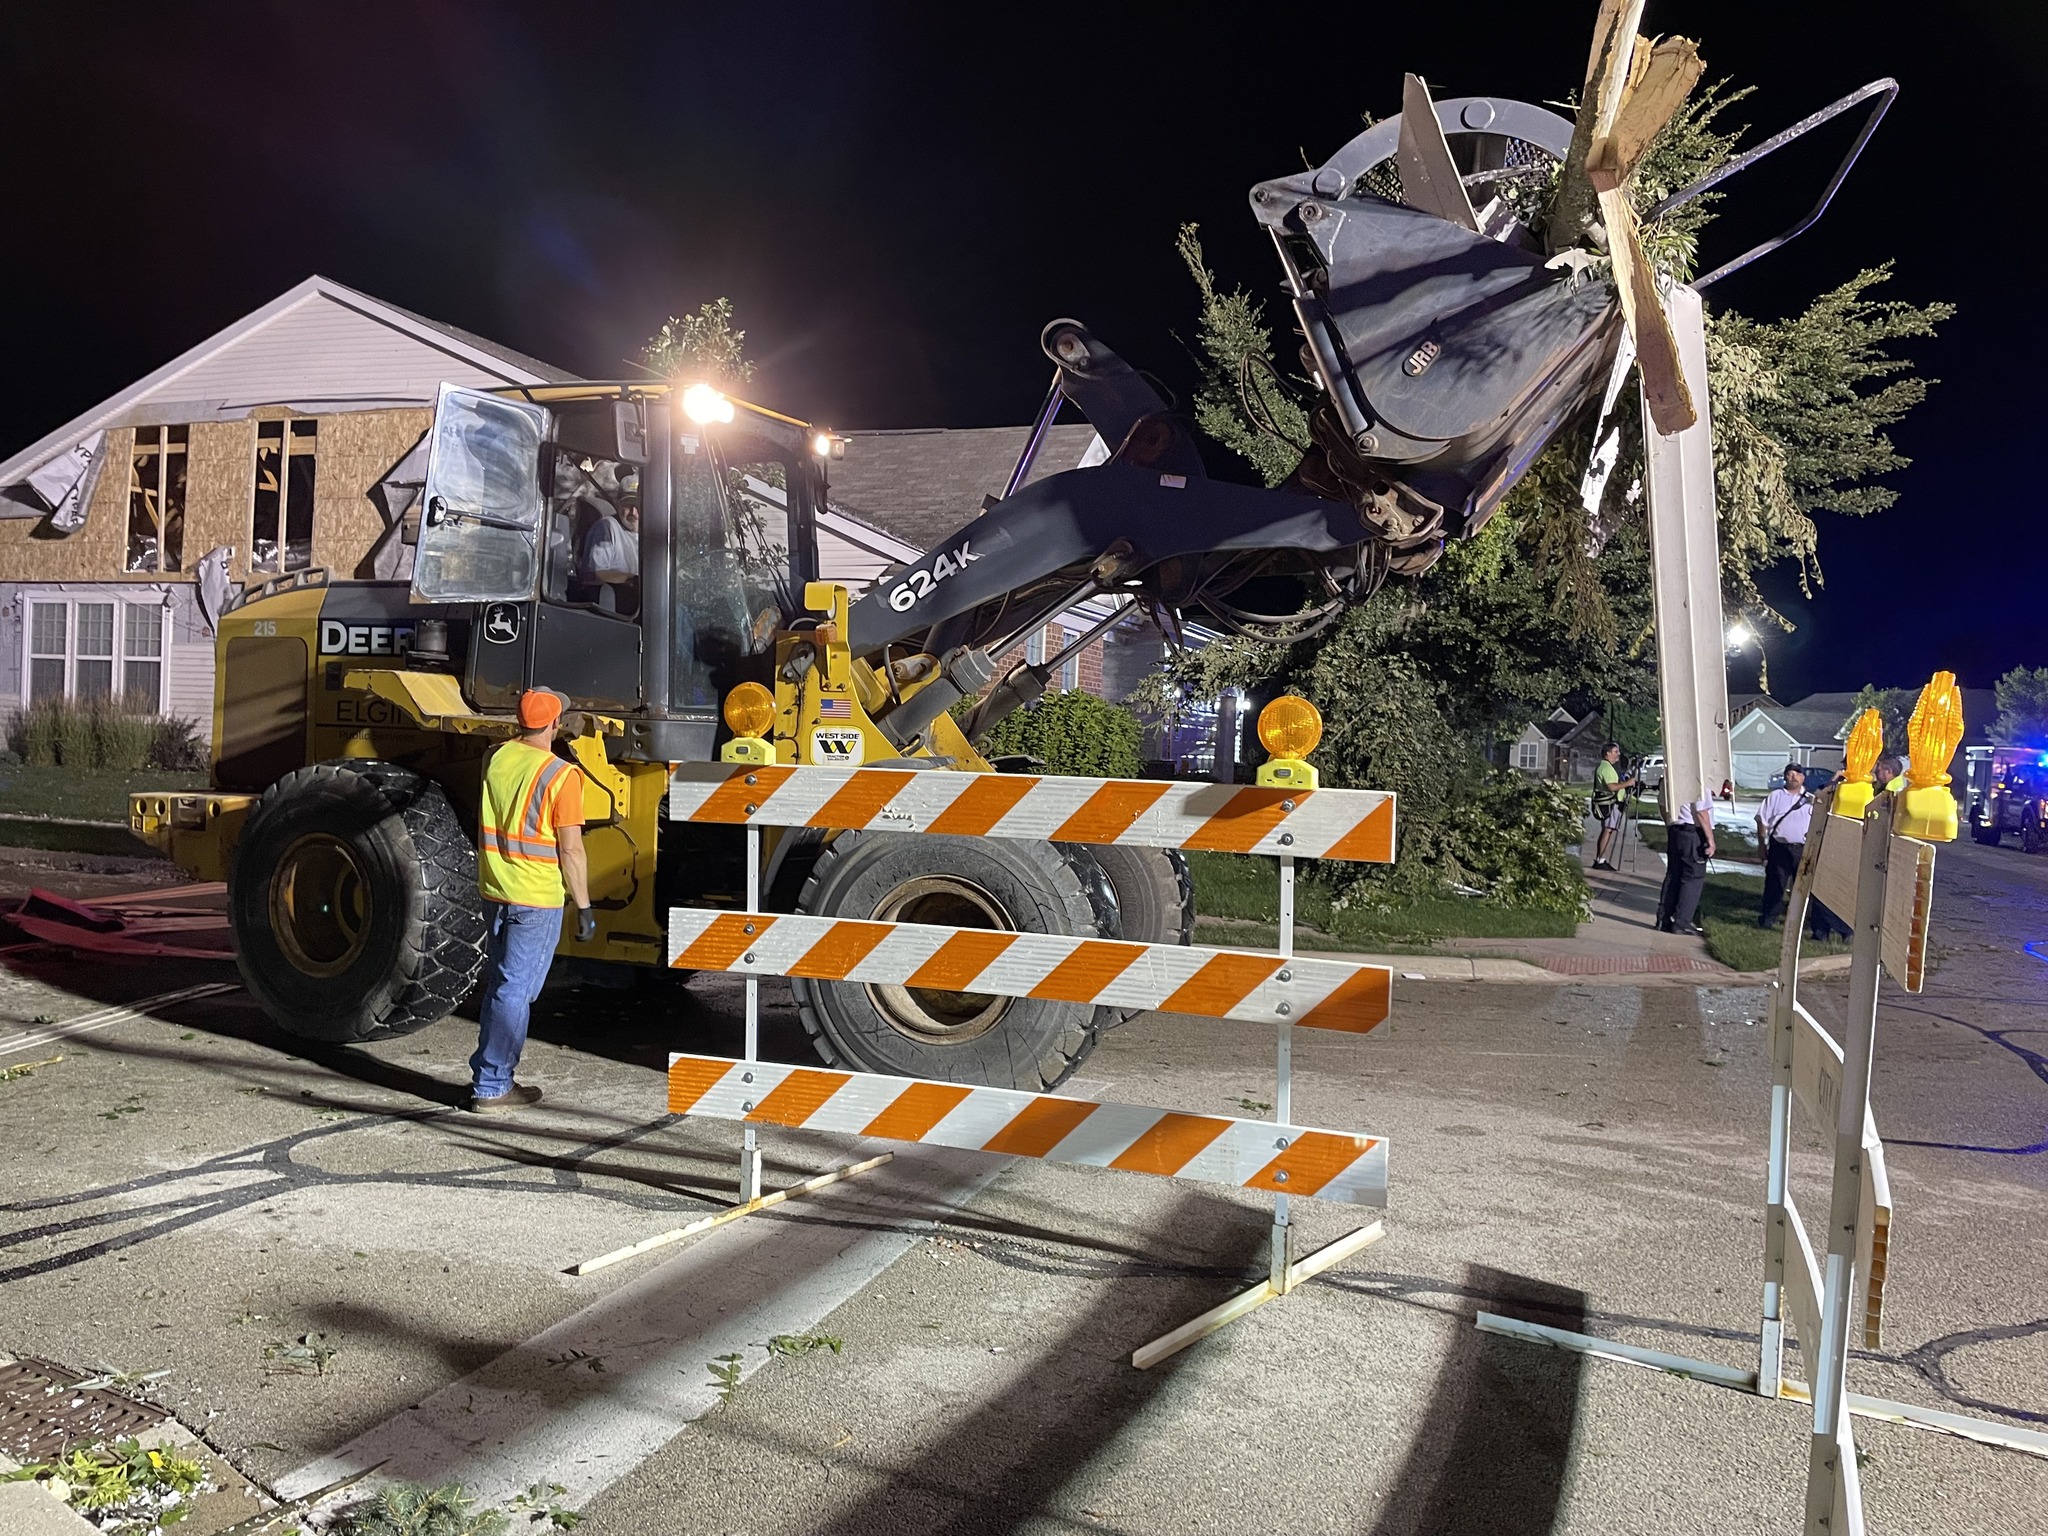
106	1018
545	1410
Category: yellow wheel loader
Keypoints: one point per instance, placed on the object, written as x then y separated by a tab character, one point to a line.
1454	318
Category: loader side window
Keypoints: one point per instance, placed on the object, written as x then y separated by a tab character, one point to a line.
721	624
593	534
263	711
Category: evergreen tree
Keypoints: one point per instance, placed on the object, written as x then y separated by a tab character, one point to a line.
1546	606
2022	696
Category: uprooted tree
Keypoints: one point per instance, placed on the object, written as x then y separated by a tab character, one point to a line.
1548	605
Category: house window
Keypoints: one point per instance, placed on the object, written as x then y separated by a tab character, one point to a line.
281	529
1528	756
156	499
1034	648
142	656
1070	669
71	651
48	626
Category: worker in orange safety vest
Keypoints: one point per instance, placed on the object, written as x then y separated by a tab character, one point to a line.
529	845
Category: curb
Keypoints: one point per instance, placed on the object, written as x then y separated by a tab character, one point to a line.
62	834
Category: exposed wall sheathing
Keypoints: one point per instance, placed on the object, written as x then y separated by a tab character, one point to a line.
355	449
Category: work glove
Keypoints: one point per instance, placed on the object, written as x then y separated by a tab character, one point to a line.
586	925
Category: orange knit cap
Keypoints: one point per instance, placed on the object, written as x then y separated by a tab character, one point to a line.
539	707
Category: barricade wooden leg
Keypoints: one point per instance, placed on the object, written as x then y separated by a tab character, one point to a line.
731	1214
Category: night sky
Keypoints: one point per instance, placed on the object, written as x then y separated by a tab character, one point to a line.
898	199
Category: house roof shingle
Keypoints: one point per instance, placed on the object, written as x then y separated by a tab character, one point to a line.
924	483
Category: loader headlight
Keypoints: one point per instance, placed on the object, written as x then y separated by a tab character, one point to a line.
1290	727
750	710
704	405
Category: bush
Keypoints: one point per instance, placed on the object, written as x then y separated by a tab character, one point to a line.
101	734
1072	733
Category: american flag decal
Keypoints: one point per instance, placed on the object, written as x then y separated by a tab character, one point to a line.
835	709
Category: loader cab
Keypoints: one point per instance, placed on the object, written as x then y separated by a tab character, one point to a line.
610	545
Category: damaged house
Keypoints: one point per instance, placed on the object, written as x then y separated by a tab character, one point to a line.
292	441
257	454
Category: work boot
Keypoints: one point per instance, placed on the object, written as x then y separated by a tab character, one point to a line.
515	1097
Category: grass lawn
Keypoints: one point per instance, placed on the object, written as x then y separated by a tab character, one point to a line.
1728	843
1247	889
79	794
1728	908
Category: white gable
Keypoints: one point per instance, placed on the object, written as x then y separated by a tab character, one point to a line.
317	354
319	347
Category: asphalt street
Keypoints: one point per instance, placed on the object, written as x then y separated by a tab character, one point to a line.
189	1190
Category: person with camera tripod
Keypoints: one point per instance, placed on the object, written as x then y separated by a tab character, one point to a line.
1610	809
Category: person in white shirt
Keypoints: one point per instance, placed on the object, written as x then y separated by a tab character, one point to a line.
1781	825
611	555
1688	845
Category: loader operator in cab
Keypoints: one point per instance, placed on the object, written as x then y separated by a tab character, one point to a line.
529	846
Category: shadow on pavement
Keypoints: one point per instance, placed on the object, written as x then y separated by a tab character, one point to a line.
1003	1466
1493	1449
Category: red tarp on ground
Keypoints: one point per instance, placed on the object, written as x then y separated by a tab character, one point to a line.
133	925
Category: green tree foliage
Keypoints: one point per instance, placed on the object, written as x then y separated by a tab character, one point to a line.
413	1509
1072	733
705	344
1638	730
1548	606
2022	696
1894	708
1241	403
1801	412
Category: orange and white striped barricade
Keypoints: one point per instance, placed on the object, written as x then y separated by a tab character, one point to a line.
1883	883
1282	823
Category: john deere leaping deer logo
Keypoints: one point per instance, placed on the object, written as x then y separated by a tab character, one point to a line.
501	623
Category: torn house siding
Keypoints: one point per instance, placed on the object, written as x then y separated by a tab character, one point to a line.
96	551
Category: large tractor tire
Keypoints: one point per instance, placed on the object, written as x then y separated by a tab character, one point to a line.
2033	836
1155	901
354	903
1154	892
958	1037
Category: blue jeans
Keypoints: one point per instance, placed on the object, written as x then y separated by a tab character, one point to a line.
522	945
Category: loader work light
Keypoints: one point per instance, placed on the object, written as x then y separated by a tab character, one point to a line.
704	405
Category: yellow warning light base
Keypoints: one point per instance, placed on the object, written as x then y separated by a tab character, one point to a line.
1928	814
1287	773
1852	799
749	711
747	749
1290	727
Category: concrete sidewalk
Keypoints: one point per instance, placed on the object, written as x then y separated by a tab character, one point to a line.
1619	945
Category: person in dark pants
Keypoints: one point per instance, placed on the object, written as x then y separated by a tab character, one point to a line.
1689	844
1781	826
529	847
